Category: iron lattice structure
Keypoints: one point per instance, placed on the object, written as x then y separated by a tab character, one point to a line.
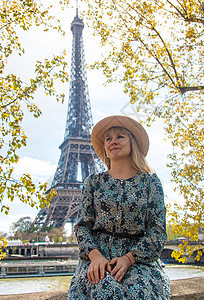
78	158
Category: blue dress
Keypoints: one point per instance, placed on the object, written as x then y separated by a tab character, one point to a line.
117	216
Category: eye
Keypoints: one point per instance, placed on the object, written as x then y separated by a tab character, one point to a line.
120	136
108	139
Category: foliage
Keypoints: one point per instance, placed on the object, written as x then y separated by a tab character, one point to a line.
24	229
171	235
17	96
72	239
3	244
24	224
155	49
180	256
185	226
56	234
60	239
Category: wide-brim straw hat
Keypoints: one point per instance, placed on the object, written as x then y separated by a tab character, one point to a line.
137	130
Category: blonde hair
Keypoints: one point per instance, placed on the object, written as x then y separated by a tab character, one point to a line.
137	159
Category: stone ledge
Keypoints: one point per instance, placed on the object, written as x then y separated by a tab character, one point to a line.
59	295
188	289
184	289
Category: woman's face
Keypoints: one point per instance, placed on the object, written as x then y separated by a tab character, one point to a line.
117	144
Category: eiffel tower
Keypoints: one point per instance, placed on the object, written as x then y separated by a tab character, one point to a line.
78	158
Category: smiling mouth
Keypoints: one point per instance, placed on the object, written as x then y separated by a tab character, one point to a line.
115	149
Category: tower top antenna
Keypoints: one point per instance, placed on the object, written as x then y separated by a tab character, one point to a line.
77	8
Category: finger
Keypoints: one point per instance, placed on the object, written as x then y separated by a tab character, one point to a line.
115	270
90	274
108	268
102	271
96	275
113	261
119	276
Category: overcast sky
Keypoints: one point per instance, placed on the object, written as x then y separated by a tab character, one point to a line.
40	157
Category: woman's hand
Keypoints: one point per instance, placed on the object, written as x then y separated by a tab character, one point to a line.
97	267
122	264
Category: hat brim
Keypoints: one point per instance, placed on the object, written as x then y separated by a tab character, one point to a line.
137	130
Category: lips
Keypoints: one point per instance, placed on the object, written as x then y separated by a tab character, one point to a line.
114	149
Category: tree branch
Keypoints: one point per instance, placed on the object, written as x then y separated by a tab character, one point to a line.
184	89
163	42
184	15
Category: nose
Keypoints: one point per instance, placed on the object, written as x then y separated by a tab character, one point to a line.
113	141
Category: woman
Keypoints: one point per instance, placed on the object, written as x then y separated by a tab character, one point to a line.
121	226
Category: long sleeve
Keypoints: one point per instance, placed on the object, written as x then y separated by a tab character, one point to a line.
150	246
86	219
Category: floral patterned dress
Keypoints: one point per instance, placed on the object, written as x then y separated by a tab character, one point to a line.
118	216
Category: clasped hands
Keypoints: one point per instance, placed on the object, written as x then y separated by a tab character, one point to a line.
117	267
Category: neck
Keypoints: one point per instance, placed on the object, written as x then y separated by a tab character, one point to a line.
121	170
